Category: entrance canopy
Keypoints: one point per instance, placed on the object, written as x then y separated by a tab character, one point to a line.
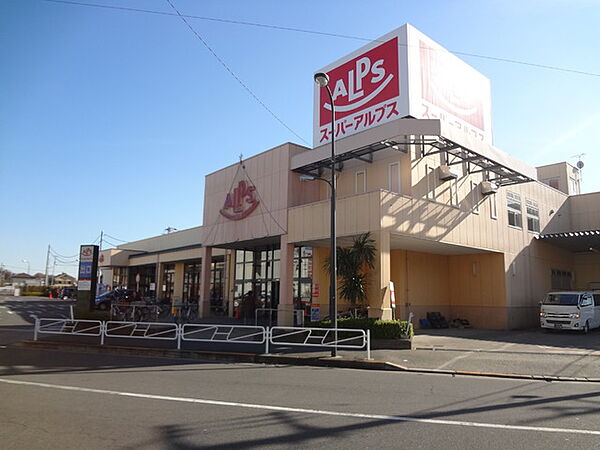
574	241
433	136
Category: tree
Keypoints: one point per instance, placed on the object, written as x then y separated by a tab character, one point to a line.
353	266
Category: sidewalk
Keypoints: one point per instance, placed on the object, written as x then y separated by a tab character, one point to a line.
529	354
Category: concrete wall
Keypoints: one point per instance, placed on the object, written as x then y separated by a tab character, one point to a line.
585	212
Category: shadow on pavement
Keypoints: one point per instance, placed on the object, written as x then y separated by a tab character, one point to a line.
453	337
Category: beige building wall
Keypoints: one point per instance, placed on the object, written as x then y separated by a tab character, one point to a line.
456	213
276	187
562	176
585	212
587	270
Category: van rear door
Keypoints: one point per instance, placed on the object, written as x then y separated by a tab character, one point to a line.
597	309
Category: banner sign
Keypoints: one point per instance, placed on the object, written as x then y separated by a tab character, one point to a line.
392	295
402	74
365	90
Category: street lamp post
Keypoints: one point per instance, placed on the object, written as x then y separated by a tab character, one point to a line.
322	79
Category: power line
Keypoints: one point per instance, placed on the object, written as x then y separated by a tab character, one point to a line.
114	238
62	256
315	32
260	102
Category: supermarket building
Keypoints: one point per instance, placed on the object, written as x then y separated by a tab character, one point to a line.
460	226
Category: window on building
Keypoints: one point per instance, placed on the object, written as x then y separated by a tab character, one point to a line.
259	271
513	204
533	216
217	271
561	279
360	182
574	186
191	281
302	281
168	281
431	181
394	177
120	277
552	182
475	196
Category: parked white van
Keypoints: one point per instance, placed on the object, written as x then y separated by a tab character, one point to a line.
571	310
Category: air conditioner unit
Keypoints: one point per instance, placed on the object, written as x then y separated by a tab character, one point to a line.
447	173
488	187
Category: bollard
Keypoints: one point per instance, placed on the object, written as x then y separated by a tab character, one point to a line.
368	344
179	333
35	329
103	328
72	315
267	331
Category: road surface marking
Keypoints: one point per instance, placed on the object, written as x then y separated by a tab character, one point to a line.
305	411
453	360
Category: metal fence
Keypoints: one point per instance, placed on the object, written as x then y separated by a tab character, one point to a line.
143	330
344	338
242	334
340	338
71	327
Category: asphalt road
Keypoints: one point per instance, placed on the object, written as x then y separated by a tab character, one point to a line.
17	315
52	399
71	400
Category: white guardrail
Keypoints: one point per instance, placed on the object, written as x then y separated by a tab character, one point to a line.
74	327
345	338
143	330
245	334
342	338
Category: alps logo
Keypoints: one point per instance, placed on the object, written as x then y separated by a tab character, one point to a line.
365	91
240	203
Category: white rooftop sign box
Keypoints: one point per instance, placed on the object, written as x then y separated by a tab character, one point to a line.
402	74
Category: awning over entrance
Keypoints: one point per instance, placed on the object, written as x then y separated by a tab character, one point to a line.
501	168
574	241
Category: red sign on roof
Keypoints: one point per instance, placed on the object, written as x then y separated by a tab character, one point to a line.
240	203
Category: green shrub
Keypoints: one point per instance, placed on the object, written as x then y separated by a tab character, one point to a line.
380	329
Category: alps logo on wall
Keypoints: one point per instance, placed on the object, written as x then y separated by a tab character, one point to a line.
241	202
365	92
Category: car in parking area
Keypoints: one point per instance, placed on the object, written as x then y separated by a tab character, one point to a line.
68	293
570	310
103	301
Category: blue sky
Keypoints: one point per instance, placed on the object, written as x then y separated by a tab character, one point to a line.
109	119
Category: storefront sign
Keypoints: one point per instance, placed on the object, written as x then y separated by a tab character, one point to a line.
365	90
87	264
315	312
240	203
315	290
402	74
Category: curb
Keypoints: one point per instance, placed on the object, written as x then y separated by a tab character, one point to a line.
591	353
288	360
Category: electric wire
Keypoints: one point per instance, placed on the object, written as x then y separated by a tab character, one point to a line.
54	252
114	238
315	32
228	69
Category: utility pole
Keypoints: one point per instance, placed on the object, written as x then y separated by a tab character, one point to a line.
47	263
99	274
